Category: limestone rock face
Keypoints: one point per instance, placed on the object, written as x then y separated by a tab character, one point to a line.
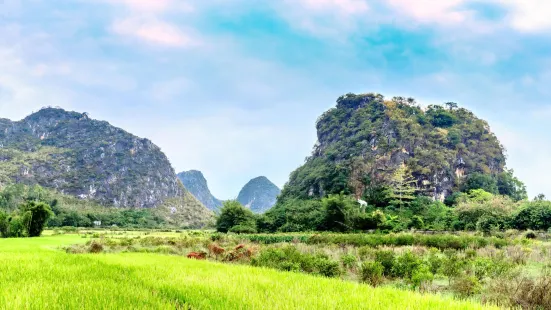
259	195
197	185
365	138
90	159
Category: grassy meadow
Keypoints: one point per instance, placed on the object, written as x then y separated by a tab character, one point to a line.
35	273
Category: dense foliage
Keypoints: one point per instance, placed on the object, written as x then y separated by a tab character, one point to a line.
235	218
365	139
410	167
477	210
28	220
70	211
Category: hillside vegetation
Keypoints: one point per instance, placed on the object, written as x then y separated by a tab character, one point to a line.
408	166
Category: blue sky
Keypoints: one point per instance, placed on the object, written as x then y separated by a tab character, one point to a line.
233	87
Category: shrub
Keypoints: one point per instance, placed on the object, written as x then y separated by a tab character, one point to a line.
422	276
16	227
95	247
452	264
405	265
466	286
530	235
234	214
372	273
434	261
4	225
417	222
288	258
326	267
366	251
348	261
520	292
386	258
243	229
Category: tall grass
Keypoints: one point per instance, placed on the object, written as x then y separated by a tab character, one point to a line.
34	274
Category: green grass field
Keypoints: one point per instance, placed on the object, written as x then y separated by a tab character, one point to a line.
36	274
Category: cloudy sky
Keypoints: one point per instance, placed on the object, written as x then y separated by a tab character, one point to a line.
233	87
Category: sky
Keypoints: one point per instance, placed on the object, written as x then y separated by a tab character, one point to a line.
234	87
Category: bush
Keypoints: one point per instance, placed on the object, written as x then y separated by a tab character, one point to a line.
466	286
372	273
386	258
417	222
434	261
288	258
17	227
530	235
243	229
234	214
4	225
348	261
326	267
422	276
35	216
405	265
452	265
95	247
520	292
495	267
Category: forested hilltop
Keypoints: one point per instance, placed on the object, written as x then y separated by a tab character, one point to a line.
398	159
365	140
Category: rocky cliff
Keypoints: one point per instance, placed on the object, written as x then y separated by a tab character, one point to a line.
90	159
197	185
259	195
365	139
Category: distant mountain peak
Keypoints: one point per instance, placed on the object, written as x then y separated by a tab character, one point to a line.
259	194
196	183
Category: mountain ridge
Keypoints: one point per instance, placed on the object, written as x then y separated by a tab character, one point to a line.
196	183
70	152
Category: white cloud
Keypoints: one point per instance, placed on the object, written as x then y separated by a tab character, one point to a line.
154	31
444	12
528	15
324	18
146	22
522	15
340	7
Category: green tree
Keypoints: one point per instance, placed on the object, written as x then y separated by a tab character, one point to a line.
35	216
339	213
4	224
509	185
234	214
451	105
403	187
534	215
480	181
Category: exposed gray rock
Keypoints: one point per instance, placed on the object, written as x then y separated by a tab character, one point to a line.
259	195
197	185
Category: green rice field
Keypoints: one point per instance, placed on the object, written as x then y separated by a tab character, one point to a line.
37	274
